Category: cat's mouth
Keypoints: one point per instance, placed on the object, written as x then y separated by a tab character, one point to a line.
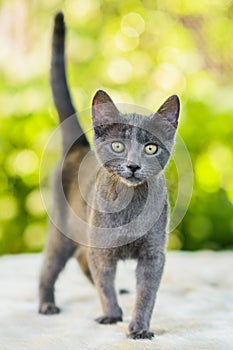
128	177
132	180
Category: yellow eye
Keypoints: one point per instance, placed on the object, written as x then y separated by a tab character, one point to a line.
118	147
151	148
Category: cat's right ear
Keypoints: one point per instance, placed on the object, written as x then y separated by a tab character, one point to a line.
103	109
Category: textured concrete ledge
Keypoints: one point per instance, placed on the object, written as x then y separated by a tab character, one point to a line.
194	308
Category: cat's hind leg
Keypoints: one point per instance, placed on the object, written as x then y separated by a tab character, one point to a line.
58	250
81	256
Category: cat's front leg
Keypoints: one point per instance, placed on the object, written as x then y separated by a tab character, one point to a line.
103	270
149	272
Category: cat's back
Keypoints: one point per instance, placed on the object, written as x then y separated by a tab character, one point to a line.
78	179
77	171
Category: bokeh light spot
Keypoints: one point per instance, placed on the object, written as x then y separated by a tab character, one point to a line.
83	9
132	24
125	43
120	70
23	162
34	236
169	78
8	207
34	203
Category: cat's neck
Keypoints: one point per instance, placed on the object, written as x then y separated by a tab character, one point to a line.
111	190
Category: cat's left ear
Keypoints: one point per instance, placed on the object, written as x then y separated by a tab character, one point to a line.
103	109
170	110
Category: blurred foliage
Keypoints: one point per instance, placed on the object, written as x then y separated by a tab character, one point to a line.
140	52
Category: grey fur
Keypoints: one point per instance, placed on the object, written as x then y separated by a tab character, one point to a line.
115	180
61	94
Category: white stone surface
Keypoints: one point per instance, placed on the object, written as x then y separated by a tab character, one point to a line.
194	308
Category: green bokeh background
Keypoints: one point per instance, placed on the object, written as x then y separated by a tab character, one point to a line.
140	52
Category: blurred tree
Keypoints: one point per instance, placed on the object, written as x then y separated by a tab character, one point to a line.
140	52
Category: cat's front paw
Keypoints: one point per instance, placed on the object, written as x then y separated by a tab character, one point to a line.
141	334
108	319
49	309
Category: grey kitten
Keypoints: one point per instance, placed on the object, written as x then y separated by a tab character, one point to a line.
121	211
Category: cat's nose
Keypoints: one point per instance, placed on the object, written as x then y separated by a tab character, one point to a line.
133	166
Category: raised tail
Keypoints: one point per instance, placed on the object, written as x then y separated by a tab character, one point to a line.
71	130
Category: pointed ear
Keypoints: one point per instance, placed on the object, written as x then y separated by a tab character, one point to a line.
170	110
103	108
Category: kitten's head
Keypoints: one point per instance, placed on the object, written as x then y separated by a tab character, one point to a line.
132	146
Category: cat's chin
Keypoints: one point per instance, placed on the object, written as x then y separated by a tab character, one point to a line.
132	181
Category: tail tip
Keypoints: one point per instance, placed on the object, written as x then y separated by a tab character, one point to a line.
59	17
59	25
